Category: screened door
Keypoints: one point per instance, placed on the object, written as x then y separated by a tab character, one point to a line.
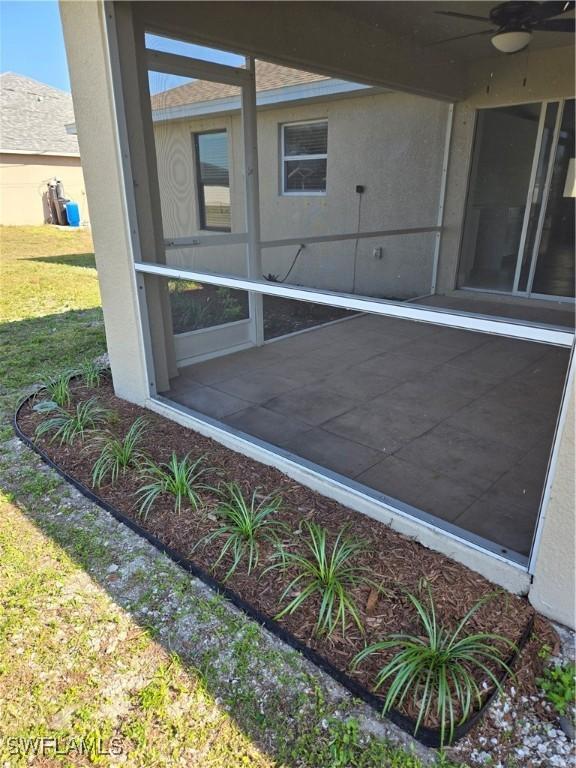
203	200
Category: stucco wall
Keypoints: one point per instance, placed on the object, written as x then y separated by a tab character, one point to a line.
392	144
23	180
553	591
85	38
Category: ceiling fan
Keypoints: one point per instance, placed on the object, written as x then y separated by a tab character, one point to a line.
515	21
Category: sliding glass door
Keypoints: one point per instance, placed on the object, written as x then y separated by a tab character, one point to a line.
519	224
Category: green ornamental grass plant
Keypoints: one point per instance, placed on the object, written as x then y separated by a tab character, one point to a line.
118	454
180	478
57	387
92	373
327	571
245	524
68	426
437	667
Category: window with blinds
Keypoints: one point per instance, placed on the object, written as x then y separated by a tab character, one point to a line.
304	157
213	180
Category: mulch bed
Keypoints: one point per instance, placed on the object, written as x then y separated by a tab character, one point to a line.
395	561
281	316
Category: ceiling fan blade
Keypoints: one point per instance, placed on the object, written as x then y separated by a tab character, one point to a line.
461	37
555	25
463	16
552	8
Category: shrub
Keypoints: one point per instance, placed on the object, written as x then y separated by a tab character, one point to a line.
179	477
328	572
437	666
69	425
559	686
117	455
57	387
245	523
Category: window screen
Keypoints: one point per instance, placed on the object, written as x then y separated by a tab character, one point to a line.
304	154
213	180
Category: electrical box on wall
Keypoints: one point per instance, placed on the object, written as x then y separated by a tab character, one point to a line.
378	252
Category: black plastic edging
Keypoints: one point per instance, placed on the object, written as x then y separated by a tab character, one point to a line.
429	737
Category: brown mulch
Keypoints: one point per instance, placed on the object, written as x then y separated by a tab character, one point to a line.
281	316
396	562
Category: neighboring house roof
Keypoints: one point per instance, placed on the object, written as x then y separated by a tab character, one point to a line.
268	78
33	117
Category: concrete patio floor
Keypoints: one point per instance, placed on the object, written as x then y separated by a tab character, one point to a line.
455	423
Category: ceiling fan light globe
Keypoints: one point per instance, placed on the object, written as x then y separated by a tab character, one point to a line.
511	42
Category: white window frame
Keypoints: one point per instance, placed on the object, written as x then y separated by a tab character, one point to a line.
285	158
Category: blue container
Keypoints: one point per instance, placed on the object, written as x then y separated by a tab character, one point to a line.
72	214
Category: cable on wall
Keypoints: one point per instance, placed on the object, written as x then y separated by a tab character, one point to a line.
273	279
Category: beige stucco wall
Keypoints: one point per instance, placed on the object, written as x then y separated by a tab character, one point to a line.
86	48
23	180
390	143
553	589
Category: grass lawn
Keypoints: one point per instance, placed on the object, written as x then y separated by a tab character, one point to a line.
50	314
101	637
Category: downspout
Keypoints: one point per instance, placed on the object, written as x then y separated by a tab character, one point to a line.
442	196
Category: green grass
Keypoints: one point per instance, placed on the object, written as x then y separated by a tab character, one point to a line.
50	315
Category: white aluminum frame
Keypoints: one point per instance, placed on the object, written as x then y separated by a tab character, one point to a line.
529	197
403	311
544	201
284	159
472	322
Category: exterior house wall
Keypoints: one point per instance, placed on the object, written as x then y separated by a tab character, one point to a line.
392	144
23	180
554	589
97	120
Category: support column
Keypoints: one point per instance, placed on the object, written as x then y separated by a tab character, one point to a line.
553	591
84	26
254	254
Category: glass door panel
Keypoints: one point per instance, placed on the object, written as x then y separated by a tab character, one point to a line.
553	272
502	162
537	193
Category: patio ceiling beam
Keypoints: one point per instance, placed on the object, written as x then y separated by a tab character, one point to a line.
185	66
311	36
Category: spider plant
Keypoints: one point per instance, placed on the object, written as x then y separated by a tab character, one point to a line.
437	667
327	571
117	455
70	425
57	387
245	523
178	477
91	372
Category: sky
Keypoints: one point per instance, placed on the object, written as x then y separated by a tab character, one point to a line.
32	44
31	41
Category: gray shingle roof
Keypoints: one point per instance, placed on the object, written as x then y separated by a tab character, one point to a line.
268	77
33	116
